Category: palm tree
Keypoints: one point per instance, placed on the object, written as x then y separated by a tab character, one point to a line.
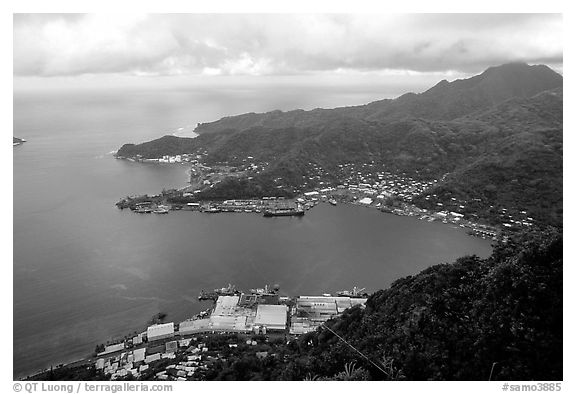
310	377
349	370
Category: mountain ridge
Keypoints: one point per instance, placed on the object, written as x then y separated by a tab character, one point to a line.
486	141
444	101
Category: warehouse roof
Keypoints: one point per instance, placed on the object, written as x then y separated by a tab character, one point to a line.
160	329
225	305
139	354
271	315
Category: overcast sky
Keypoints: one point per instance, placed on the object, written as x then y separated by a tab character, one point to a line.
280	45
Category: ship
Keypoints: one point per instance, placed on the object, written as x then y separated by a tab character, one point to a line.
284	212
332	201
162	209
213	295
354	293
266	290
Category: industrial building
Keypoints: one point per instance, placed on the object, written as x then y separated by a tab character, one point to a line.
253	313
151	358
194	326
139	354
311	311
226	305
227	316
238	323
240	314
302	325
171	346
271	317
137	340
113	348
324	308
160	331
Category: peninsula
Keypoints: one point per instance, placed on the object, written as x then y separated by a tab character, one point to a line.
487	149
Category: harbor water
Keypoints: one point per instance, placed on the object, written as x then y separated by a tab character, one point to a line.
86	272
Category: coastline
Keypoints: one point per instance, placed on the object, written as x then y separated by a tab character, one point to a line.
177	200
18	141
279	222
267	297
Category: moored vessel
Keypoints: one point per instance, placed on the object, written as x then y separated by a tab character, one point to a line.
283	212
354	293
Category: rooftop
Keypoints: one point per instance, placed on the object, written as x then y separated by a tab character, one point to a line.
226	305
271	315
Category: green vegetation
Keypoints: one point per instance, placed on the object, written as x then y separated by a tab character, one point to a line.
450	322
167	145
445	101
520	170
241	188
495	142
494	139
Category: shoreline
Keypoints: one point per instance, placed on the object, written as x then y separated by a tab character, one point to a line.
89	359
386	190
259	206
266	296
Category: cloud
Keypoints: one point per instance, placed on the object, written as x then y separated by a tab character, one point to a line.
279	44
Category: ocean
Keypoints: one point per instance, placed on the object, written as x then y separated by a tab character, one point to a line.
86	272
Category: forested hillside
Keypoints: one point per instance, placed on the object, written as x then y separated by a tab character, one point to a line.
494	141
454	321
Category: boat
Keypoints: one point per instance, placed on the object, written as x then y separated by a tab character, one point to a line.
354	293
162	209
230	290
266	290
283	212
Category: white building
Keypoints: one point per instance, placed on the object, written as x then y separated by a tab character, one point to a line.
225	305
113	348
139	354
137	340
271	317
152	357
160	331
316	308
194	326
366	200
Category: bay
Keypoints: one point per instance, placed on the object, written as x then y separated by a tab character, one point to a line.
86	272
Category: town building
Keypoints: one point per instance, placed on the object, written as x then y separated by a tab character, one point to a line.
271	317
160	331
